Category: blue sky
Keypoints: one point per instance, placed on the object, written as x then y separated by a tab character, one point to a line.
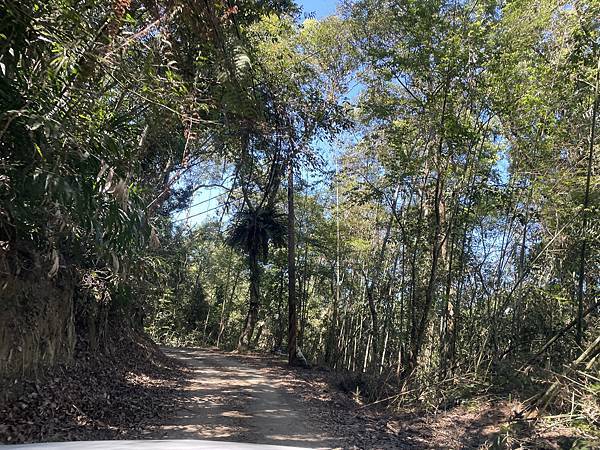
321	8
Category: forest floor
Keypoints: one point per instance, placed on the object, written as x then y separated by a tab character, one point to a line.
258	399
97	396
208	394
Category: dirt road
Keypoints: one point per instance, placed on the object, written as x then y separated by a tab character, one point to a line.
258	399
242	399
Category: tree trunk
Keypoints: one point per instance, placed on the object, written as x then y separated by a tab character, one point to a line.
254	303
447	316
292	310
586	203
280	321
436	248
224	318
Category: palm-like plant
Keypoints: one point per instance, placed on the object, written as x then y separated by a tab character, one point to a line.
252	231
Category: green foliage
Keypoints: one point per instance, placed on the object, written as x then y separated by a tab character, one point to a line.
105	112
459	232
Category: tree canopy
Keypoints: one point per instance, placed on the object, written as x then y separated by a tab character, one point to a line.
406	190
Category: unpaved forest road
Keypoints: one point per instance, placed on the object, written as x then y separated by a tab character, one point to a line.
259	399
241	399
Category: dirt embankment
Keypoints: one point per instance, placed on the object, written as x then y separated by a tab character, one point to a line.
37	322
96	396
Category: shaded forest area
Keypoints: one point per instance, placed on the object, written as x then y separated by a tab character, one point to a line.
405	193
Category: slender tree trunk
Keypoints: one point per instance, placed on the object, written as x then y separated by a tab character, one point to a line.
374	326
280	319
223	305
204	338
330	349
402	304
586	203
447	316
368	347
292	309
224	311
304	284
456	324
337	249
254	304
346	359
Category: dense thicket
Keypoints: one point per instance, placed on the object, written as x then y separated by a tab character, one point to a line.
440	227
